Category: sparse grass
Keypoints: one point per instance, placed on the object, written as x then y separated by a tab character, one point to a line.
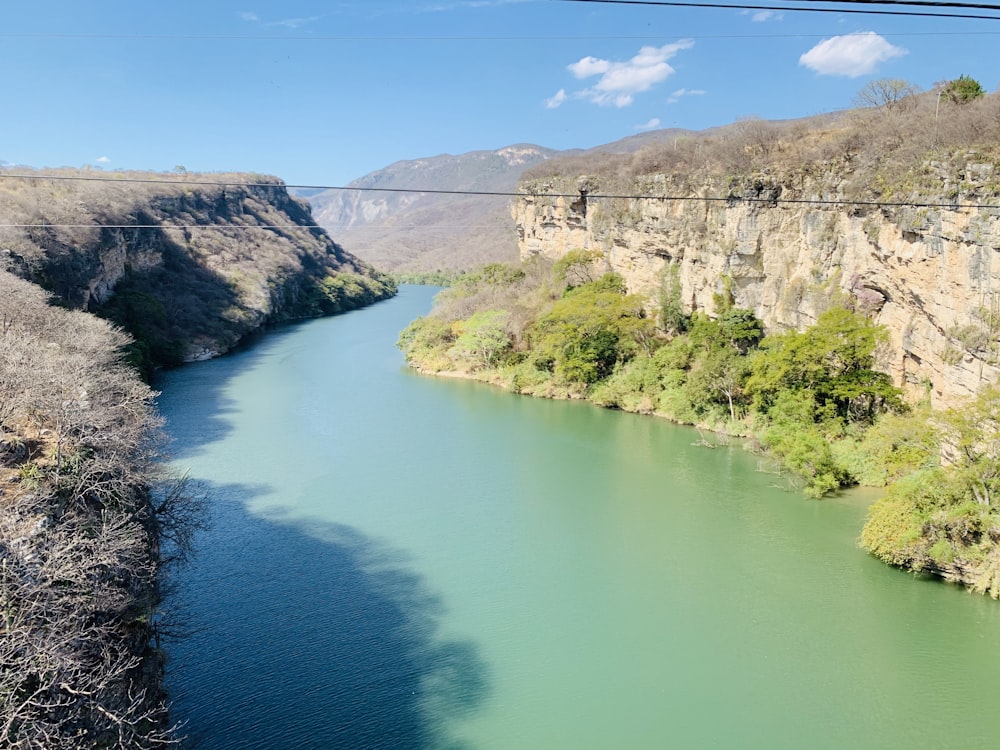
871	153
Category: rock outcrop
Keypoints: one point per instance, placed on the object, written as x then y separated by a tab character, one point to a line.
189	264
790	245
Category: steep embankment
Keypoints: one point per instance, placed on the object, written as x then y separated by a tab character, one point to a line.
189	264
82	544
893	212
86	524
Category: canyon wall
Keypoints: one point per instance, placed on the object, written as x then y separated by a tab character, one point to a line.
189	264
790	247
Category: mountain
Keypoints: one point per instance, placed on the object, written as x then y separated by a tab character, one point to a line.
189	265
877	209
421	232
415	232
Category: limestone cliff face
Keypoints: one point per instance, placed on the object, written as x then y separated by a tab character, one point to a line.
189	264
931	275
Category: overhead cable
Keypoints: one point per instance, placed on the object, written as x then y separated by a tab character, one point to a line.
438	191
474	38
791	8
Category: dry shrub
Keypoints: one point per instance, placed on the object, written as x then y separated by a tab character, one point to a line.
875	147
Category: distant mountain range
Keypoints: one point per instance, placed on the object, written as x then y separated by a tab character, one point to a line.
421	232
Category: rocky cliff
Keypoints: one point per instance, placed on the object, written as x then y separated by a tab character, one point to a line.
189	264
789	244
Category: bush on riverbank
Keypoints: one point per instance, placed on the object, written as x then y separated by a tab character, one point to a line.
812	399
945	520
567	331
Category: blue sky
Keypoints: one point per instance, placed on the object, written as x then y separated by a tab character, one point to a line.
324	92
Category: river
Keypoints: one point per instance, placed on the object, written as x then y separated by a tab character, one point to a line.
407	562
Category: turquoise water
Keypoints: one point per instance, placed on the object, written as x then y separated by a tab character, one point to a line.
398	561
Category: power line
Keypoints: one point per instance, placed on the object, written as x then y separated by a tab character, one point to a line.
660	3
440	191
483	38
160	226
918	3
787	8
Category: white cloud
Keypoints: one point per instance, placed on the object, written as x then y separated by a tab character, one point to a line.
554	101
651	125
679	93
620	80
851	55
764	15
294	23
102	159
589	66
288	23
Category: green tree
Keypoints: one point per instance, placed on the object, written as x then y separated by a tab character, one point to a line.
742	328
795	439
718	377
971	438
495	274
963	89
589	330
724	300
577	267
484	337
832	360
896	445
673	318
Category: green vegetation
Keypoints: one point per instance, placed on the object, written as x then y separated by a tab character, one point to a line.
426	278
946	519
569	331
342	291
586	333
812	400
963	89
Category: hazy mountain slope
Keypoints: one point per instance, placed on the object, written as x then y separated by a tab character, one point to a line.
427	232
424	232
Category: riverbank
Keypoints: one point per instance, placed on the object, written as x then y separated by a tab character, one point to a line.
813	401
89	521
481	566
83	541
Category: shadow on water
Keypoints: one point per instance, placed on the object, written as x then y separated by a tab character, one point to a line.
312	635
206	382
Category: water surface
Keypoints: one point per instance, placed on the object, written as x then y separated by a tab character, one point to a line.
399	561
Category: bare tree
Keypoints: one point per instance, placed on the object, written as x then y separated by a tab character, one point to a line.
888	94
79	536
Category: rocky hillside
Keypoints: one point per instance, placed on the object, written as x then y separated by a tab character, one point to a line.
189	264
884	209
